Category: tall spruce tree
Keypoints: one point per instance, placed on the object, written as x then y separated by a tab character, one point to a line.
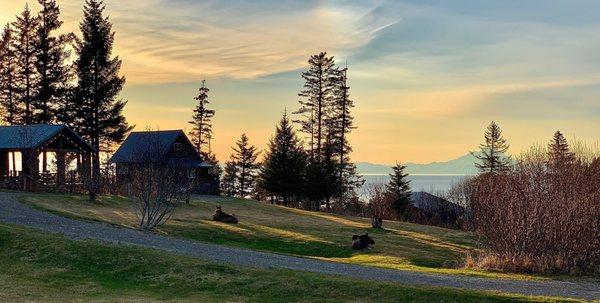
559	153
201	122
51	64
492	155
97	113
398	189
244	157
317	94
9	90
282	172
342	124
26	30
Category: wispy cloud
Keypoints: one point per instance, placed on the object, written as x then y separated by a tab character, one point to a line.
175	41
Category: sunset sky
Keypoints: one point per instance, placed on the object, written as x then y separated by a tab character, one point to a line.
426	76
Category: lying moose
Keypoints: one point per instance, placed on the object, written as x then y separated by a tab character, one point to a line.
221	216
362	242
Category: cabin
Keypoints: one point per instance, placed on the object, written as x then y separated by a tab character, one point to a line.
172	146
43	157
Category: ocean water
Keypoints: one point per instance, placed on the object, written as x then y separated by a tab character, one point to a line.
428	183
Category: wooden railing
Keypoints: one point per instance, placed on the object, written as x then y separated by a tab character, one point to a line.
45	181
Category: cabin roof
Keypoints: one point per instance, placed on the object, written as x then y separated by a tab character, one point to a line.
140	145
19	137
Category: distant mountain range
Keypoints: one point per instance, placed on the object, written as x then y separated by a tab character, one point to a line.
461	166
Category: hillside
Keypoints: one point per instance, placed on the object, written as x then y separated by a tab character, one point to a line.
290	231
460	166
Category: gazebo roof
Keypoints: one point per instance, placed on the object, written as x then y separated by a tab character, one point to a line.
20	137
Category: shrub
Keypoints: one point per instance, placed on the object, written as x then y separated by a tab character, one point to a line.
380	205
538	216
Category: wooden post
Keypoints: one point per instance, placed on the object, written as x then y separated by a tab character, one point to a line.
60	168
30	168
60	164
78	168
86	168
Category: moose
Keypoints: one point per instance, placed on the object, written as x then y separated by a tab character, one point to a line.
362	242
221	216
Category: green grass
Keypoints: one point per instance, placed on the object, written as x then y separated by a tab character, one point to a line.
37	267
292	231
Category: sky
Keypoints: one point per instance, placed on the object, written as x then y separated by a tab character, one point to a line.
426	76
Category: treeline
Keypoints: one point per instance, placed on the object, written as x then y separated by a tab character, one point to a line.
311	168
49	77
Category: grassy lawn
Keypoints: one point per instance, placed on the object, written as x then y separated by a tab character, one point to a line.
291	231
37	267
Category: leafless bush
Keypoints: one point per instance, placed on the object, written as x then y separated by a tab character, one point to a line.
461	193
540	218
350	206
380	204
156	184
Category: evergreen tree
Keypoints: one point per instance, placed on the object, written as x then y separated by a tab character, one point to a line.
228	182
215	172
97	114
51	64
26	28
398	189
492	154
201	133
8	75
211	158
317	94
282	173
244	157
559	153
342	124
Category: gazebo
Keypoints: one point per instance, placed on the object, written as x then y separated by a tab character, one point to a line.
43	155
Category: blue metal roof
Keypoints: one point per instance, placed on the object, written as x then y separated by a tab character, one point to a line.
141	145
32	136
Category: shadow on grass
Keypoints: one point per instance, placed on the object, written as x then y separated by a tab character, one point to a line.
261	241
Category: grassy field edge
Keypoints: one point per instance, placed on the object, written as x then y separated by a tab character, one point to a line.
50	268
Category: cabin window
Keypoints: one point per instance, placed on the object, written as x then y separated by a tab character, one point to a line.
178	146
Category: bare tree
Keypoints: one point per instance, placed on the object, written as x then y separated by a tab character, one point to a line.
157	184
380	204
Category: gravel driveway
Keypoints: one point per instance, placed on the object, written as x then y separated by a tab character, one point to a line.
14	212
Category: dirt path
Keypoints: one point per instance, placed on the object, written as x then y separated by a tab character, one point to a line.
14	212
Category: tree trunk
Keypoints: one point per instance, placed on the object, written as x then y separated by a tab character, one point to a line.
376	222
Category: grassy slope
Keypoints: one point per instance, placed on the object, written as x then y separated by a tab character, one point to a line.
36	267
291	231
